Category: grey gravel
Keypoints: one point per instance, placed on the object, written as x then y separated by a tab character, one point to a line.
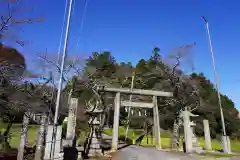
141	153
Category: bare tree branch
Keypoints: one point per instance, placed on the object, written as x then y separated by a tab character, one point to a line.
9	19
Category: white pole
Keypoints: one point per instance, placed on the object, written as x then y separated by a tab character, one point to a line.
60	80
217	87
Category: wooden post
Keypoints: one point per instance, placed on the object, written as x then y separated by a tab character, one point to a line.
40	139
116	122
156	123
23	137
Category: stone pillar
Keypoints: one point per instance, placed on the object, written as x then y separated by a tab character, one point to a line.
207	136
229	145
58	141
48	142
116	122
156	123
225	144
71	124
40	139
23	137
187	131
49	136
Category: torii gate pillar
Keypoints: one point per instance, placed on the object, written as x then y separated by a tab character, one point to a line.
156	123
116	122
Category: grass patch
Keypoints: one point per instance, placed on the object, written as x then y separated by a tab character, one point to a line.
166	139
216	145
32	134
82	137
134	134
15	134
235	146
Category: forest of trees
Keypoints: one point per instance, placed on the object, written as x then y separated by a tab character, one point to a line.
193	91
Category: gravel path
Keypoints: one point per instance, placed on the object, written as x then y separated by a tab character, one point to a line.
140	153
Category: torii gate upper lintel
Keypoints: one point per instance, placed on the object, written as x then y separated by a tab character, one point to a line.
135	91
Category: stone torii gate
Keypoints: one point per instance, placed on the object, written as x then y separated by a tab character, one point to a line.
119	103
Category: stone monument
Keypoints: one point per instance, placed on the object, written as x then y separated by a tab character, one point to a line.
48	143
190	140
71	123
207	135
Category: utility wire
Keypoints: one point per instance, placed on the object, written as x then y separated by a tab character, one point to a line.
60	43
82	22
73	8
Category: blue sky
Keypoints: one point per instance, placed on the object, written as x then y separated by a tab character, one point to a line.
131	28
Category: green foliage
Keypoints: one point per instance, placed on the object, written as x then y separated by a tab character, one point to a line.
103	64
137	122
212	113
193	91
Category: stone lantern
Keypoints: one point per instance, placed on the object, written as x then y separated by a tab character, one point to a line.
95	135
195	144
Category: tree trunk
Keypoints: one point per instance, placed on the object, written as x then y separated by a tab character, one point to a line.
5	144
175	136
40	139
9	126
23	137
88	141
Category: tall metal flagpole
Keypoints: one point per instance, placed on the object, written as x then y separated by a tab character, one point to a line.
60	81
225	143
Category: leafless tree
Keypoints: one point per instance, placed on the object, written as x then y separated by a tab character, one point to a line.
12	18
48	63
186	90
